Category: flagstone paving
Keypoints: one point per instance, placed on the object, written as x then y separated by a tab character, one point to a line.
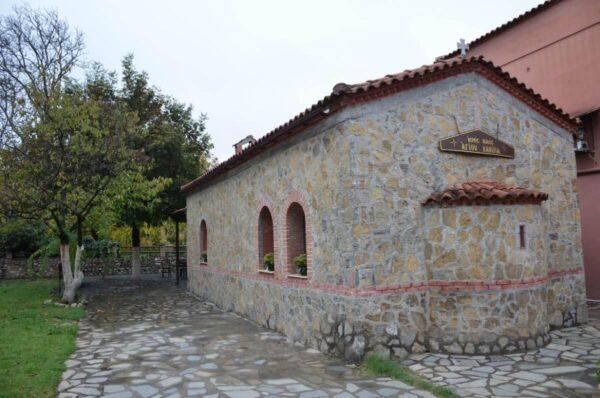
156	340
564	368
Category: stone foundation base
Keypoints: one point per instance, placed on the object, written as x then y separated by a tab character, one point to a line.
502	345
388	325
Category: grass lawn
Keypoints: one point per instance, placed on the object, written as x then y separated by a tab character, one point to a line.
386	367
35	339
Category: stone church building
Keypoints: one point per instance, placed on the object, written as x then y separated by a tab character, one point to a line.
431	210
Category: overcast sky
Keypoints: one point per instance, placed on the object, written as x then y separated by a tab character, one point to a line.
252	65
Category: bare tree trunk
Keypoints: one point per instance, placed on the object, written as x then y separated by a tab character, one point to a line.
136	265
72	278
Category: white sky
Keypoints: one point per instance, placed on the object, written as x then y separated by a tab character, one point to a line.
252	65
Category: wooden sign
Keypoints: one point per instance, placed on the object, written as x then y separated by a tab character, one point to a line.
476	142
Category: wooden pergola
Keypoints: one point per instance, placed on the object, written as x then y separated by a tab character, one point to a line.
179	216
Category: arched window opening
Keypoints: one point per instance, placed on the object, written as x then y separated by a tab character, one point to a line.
203	243
296	240
266	242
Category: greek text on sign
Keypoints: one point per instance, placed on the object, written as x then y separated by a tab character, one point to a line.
477	142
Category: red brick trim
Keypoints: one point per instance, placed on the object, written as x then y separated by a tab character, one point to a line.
287	268
266	202
442	286
201	238
564	272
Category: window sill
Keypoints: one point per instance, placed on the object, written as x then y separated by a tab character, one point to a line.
204	264
266	272
297	276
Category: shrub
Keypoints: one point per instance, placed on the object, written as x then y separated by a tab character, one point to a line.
21	236
300	262
100	248
269	262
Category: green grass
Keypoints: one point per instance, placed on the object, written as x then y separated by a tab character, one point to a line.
35	339
386	367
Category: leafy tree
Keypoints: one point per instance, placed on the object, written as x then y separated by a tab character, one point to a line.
133	198
62	142
177	149
20	236
63	166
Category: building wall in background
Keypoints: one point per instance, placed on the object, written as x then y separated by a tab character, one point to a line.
557	53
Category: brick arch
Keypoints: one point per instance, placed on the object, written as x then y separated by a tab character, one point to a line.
265	238
297	237
203	241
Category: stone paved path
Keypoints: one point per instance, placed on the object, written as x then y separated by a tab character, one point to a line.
156	340
564	368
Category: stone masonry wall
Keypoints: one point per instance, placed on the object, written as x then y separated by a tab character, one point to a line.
332	322
483	242
481	245
396	163
360	177
18	268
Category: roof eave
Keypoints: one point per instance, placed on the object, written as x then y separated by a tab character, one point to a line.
365	92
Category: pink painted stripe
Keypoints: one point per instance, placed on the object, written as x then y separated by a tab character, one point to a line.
440	285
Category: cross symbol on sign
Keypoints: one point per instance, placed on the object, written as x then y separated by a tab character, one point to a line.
453	142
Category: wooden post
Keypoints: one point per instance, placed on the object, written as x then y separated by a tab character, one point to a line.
177	252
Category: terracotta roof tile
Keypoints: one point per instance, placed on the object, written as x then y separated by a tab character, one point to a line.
344	95
484	193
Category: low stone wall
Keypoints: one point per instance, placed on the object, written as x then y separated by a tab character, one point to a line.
19	268
101	266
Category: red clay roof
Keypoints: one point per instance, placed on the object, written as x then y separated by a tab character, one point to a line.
344	95
484	193
526	15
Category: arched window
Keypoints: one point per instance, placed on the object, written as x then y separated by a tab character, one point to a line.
266	243
296	240
203	243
